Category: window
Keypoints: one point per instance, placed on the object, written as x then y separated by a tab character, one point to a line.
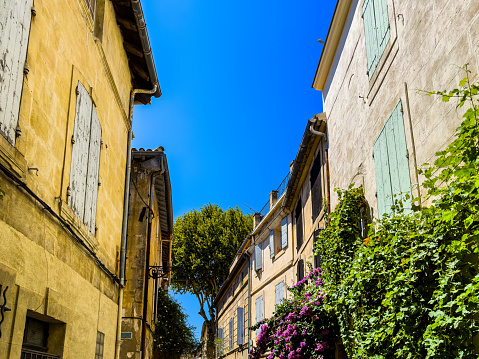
14	30
85	165
316	188
36	334
100	341
259	310
298	214
231	333
220	344
391	163
240	326
279	292
258	257
284	233
300	270
376	31
317	257
271	244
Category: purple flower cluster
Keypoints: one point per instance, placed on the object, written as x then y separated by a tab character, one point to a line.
301	328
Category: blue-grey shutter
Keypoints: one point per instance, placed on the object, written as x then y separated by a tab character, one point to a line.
220	345
279	293
284	232
271	244
240	326
231	333
258	257
91	193
259	311
15	18
391	163
81	146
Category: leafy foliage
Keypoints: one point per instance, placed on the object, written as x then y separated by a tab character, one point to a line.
173	335
204	246
410	290
300	327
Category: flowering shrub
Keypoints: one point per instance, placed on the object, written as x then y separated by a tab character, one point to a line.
300	327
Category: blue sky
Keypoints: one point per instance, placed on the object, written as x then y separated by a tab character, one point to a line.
236	80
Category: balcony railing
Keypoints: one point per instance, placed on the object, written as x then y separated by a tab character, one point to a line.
33	354
281	189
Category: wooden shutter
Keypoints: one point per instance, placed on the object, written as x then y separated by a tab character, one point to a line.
279	293
258	258
15	18
91	193
231	333
271	244
316	188
240	325
299	225
284	232
370	35
300	270
391	163
259	309
383	32
220	345
81	147
317	257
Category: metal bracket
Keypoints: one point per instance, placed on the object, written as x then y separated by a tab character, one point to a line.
156	272
3	308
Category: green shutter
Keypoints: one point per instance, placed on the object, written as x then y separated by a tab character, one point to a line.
391	162
376	31
382	25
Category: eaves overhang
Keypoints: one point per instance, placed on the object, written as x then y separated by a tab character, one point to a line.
331	44
131	20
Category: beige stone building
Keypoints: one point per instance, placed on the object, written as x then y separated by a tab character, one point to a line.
70	73
378	54
275	255
148	250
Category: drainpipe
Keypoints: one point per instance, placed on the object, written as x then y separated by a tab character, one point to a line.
124	228
147	257
249	299
313	120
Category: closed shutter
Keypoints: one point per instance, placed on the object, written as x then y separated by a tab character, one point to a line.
376	31
91	194
81	146
259	311
316	188
284	233
258	257
240	326
391	163
231	333
220	345
85	165
299	225
15	18
279	293
271	244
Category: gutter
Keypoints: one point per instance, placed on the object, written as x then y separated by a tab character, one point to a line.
145	44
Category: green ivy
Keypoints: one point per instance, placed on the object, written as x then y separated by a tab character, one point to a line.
410	290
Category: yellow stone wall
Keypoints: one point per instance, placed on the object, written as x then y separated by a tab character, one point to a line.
48	272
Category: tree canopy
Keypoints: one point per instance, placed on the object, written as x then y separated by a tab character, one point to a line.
173	335
204	246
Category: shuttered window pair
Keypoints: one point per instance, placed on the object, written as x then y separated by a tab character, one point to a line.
391	163
15	18
85	165
376	30
279	292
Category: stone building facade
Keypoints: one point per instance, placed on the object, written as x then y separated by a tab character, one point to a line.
380	59
67	76
148	250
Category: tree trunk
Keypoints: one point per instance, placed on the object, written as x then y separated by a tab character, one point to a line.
210	339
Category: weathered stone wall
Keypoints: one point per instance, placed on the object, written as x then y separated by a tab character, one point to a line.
430	41
48	272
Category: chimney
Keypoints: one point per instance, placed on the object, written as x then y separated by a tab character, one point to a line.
273	197
256	219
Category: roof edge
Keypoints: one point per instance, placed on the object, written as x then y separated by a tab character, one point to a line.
333	38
